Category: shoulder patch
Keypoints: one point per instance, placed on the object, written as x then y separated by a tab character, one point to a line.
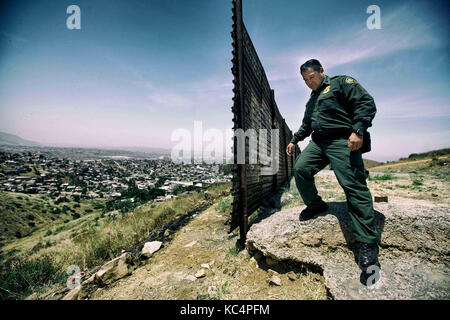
350	80
326	90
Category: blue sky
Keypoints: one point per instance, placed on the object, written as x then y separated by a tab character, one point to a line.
138	70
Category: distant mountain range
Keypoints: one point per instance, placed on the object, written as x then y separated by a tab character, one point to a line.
12	140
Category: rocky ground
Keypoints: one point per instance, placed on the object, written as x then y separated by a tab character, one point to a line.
289	259
201	262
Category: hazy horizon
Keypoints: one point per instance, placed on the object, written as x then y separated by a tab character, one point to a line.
137	71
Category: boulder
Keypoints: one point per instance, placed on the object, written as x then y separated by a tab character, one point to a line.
414	249
73	294
150	248
276	281
114	270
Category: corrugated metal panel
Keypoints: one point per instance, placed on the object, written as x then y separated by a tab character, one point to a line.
254	108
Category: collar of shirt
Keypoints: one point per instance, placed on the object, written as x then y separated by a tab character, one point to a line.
325	82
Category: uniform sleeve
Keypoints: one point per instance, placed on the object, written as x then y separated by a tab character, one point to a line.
360	102
305	129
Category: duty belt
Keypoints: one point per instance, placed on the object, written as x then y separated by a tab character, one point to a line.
316	136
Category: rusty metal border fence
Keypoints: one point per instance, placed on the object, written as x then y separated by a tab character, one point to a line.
254	107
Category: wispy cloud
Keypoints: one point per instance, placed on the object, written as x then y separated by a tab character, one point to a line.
420	107
402	29
163	99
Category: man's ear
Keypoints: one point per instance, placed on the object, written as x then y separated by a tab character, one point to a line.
321	70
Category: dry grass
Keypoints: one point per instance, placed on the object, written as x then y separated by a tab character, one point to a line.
233	274
89	241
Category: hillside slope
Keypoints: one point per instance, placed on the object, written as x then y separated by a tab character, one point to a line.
13	140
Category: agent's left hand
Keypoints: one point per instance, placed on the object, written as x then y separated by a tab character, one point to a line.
355	142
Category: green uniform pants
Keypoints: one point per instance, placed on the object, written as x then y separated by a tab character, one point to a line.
349	169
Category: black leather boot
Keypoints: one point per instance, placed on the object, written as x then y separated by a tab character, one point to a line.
311	211
368	256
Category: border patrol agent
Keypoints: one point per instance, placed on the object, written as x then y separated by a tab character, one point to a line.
337	114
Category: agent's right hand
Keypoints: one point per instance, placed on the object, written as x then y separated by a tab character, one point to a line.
290	149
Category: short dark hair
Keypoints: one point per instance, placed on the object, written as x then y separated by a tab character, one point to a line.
312	63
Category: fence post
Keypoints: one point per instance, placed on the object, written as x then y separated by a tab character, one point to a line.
285	156
243	223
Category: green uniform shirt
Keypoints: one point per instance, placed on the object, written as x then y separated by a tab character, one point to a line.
339	106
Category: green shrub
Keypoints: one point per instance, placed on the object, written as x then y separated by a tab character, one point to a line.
223	205
386	176
233	251
75	216
18	279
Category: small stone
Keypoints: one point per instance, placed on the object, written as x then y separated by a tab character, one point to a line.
205	265
166	233
190	244
200	273
292	276
275	281
114	270
150	248
191	278
73	294
212	262
434	195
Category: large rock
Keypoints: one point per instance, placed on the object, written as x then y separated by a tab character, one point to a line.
114	269
414	253
73	294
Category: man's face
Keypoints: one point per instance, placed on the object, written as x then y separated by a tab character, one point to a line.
312	78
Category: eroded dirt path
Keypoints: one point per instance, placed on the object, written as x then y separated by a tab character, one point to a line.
231	274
